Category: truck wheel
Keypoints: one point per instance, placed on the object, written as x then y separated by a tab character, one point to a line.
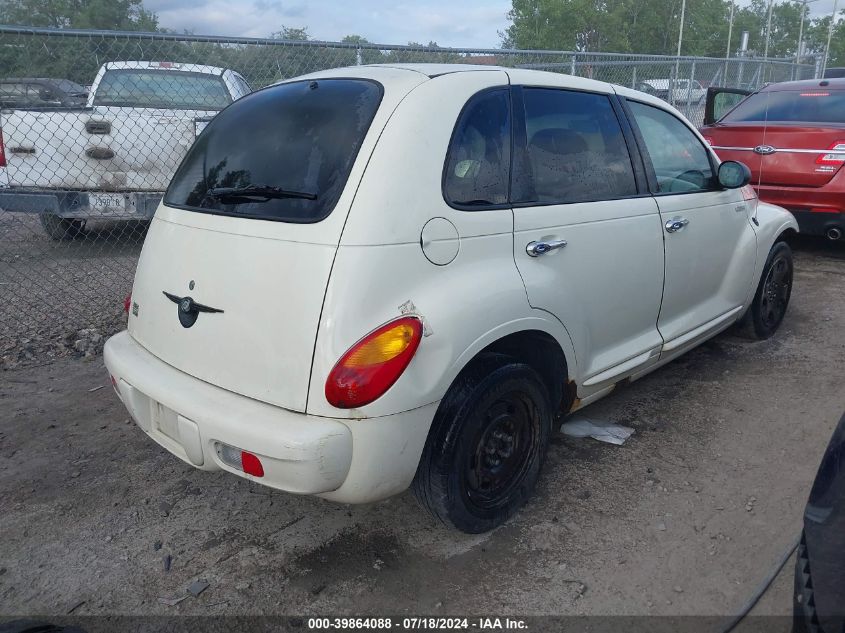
60	228
486	445
772	297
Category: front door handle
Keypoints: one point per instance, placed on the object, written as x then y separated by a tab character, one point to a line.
541	248
676	224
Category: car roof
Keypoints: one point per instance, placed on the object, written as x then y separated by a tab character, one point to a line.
389	74
806	84
8	80
164	65
435	70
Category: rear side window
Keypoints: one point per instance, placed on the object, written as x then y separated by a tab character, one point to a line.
282	153
576	148
478	162
162	89
681	163
816	105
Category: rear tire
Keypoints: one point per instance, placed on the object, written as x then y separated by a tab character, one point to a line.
59	228
771	300
486	446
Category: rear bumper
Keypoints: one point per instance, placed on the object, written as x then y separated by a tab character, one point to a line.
820	223
77	204
300	453
816	209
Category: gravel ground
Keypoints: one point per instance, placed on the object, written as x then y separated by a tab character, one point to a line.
685	519
62	298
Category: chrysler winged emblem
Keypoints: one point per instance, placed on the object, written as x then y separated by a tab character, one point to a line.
189	310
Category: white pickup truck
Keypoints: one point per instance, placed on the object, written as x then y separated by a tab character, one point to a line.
115	157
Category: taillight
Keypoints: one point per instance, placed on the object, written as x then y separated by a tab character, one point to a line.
371	366
2	150
833	159
127	302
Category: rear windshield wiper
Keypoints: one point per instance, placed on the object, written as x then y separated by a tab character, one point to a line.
256	193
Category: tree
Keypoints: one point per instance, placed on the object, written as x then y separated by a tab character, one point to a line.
817	40
651	26
121	15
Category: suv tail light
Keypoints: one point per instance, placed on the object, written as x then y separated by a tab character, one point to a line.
834	159
2	150
371	366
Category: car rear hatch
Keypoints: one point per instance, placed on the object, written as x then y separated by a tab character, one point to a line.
793	138
232	276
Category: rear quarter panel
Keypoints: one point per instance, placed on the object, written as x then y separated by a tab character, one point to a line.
380	268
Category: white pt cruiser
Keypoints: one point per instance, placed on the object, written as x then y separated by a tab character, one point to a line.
382	276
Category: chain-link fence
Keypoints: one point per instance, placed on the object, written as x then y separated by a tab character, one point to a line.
95	123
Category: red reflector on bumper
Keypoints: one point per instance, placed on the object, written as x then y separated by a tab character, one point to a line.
251	464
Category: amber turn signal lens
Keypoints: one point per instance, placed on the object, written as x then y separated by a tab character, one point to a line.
371	366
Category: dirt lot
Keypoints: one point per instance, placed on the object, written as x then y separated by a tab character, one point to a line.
685	518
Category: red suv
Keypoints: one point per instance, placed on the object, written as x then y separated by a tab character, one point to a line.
792	136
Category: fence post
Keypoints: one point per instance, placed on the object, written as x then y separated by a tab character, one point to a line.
572	65
634	78
358	58
689	88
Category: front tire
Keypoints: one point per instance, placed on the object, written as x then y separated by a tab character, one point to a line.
772	297
61	229
486	446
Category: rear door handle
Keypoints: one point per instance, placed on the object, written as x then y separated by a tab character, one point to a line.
534	249
676	224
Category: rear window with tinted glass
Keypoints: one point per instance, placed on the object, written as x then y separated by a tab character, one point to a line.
816	105
166	89
294	142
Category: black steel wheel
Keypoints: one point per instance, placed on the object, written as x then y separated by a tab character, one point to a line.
772	297
486	446
502	449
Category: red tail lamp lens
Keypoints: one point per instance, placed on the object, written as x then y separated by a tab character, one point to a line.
251	464
127	302
837	157
373	364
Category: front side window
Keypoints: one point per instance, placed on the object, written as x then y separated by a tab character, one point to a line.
162	89
576	148
282	153
478	162
681	163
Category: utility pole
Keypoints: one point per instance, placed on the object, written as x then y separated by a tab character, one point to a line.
801	33
829	35
730	33
678	57
681	30
798	53
768	30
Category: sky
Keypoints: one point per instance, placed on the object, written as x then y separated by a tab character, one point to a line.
459	23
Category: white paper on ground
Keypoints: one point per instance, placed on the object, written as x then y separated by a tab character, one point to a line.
600	430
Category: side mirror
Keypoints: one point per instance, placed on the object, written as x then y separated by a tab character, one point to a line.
733	174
